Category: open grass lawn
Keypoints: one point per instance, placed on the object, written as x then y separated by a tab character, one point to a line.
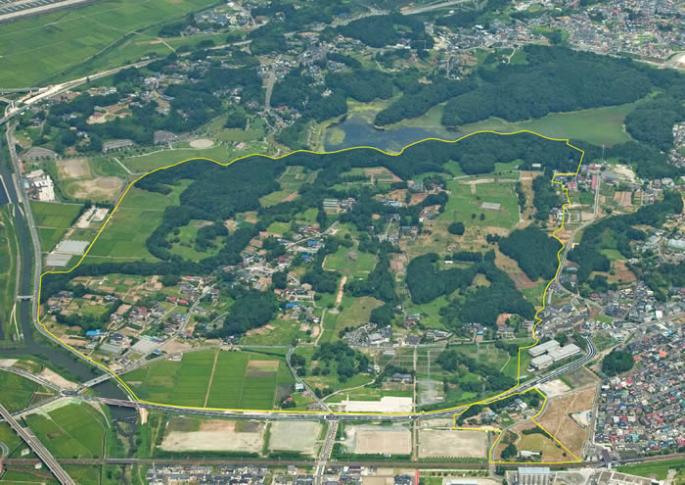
8	266
35	49
596	125
656	469
11	439
163	158
282	333
76	430
53	219
465	201
136	218
184	245
213	378
18	392
351	262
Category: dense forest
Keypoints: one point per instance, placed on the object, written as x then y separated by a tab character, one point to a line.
617	362
534	251
551	80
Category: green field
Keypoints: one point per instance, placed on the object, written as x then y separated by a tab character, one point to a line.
8	263
36	49
464	204
18	392
596	125
213	378
136	218
354	312
73	431
656	469
350	262
52	220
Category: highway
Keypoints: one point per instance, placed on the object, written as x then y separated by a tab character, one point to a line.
37	447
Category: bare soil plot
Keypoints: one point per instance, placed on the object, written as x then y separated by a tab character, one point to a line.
217	435
378	440
580	378
533	442
554	388
557	418
437	443
622	273
73	168
511	267
202	143
297	436
261	368
98	187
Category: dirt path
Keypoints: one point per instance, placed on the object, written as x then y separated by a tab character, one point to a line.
211	378
341	288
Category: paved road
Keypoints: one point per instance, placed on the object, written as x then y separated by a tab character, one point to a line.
37	447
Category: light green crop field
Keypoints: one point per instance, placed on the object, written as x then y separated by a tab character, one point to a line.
213	378
18	392
52	220
595	125
139	214
76	430
36	49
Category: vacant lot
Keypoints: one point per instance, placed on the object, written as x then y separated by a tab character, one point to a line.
213	435
213	378
295	436
378	440
558	420
449	443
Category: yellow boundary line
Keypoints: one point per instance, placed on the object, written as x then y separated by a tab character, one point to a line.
496	397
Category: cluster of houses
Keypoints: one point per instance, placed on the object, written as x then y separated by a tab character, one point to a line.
643	411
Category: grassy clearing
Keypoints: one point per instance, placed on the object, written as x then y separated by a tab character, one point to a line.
351	262
37	48
656	469
8	265
465	200
18	392
596	125
355	311
139	214
249	380
53	220
73	431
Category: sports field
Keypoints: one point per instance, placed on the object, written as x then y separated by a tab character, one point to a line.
76	430
52	220
139	214
36	49
214	378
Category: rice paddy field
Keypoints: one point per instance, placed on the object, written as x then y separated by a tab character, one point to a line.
215	378
76	430
37	49
53	220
